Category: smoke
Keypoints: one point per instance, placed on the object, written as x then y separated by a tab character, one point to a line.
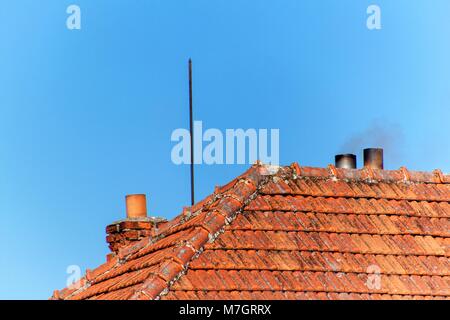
379	134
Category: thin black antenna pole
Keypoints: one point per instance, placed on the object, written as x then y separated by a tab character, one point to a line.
192	132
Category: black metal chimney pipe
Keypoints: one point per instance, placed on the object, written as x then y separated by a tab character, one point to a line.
347	161
373	158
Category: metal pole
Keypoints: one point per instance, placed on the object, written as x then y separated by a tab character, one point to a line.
192	132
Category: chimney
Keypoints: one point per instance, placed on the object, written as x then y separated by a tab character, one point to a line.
373	158
347	161
135	227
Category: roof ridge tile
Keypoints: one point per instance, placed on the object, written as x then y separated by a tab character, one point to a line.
259	178
402	175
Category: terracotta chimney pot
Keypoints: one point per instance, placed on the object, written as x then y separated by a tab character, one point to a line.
136	206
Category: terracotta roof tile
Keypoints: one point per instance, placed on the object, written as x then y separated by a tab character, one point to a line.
299	233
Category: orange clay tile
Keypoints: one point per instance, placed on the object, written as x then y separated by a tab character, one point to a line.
301	233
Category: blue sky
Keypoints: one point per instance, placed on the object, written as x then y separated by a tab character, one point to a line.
86	115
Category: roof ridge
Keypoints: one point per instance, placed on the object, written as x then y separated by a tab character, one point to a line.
227	203
374	175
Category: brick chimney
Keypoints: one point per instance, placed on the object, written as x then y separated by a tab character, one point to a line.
135	227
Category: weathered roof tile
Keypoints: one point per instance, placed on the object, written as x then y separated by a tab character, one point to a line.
299	233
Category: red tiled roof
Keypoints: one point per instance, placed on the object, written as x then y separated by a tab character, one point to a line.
298	233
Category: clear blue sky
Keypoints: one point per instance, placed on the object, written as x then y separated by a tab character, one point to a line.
86	116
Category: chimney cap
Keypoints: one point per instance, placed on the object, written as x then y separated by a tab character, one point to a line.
347	161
